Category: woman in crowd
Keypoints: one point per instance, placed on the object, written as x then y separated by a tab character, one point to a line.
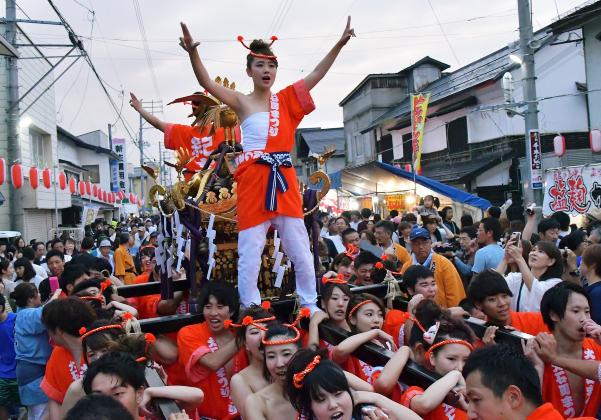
70	247
250	332
542	271
447	342
278	345
335	296
343	265
447	220
20	243
25	273
7	276
319	389
32	348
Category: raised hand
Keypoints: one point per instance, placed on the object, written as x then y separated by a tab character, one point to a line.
348	32
135	102
186	41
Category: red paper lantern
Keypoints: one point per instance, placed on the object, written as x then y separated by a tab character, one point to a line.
132	198
121	195
595	140
34	177
2	171
95	190
559	145
72	185
46	180
16	175
88	187
99	197
104	196
112	198
62	181
82	188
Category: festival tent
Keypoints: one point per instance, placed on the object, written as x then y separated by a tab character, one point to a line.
381	178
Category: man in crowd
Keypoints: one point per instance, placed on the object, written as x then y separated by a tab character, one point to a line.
125	270
488	291
58	245
105	252
363	266
210	351
566	311
564	223
384	230
55	261
40	252
548	229
450	289
490	253
29	253
350	237
71	276
355	219
502	384
464	258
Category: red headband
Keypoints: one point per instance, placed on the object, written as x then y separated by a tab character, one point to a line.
304	313
351	251
444	343
254	54
84	333
336	280
358	305
299	377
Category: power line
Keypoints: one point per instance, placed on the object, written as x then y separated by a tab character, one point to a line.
142	29
444	33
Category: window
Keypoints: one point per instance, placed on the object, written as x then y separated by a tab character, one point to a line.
93	174
457	135
407	147
41	153
385	148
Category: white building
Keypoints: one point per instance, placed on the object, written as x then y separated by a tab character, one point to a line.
477	151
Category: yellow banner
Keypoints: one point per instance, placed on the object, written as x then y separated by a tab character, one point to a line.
395	202
419	107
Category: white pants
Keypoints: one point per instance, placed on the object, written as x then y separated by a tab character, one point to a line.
295	242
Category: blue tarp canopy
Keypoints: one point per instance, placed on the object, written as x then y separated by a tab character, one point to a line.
382	178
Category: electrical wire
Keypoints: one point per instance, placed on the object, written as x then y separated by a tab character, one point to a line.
444	34
149	62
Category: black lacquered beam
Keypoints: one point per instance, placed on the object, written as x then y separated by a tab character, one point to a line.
150	288
165	406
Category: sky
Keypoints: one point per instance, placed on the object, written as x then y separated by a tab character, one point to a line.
133	45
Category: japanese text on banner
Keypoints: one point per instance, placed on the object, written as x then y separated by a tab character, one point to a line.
419	107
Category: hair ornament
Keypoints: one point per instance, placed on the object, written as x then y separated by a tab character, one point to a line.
299	377
266	305
339	279
274	38
357	306
84	333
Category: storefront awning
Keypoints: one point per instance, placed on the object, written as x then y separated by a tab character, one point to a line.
382	178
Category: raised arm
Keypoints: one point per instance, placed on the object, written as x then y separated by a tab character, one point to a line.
151	119
228	96
324	65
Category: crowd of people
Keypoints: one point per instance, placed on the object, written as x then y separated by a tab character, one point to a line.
69	343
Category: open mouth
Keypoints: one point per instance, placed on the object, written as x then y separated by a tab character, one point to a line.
339	312
337	415
266	78
215	322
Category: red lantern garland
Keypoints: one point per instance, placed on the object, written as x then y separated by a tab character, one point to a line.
46	179
34	177
72	185
82	188
16	175
88	188
2	171
595	140
95	190
62	181
559	145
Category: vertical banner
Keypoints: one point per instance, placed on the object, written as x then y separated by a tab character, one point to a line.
114	175
419	107
88	215
536	161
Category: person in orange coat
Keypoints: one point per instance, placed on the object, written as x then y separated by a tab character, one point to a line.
199	143
501	383
489	293
210	353
125	268
267	187
449	287
66	320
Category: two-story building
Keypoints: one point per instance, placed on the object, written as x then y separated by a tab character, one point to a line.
465	144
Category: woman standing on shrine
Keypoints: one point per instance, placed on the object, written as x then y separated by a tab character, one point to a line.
268	121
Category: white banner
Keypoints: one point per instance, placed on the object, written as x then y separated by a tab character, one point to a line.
574	190
89	214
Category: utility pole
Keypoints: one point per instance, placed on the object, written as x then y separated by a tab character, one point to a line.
531	192
161	173
12	117
152	107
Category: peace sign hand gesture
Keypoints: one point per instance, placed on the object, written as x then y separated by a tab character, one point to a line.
348	32
186	41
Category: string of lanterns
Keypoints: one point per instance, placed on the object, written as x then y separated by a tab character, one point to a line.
83	188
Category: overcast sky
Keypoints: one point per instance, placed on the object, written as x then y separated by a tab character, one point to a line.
391	34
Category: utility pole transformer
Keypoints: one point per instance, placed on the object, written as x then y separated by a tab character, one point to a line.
527	47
